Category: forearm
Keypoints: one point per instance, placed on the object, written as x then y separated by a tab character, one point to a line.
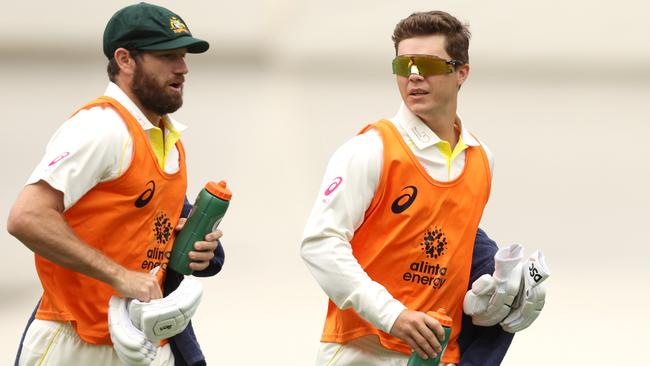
331	262
44	231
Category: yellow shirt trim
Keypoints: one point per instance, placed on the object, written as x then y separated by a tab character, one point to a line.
445	149
170	140
121	164
162	145
157	144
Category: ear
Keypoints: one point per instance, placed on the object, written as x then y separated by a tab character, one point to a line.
462	73
125	62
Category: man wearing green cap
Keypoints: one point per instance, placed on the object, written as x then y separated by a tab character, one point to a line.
101	209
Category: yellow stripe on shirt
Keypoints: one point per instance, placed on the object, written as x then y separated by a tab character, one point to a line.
170	140
445	149
162	145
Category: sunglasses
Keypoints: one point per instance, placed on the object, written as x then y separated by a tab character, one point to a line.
423	65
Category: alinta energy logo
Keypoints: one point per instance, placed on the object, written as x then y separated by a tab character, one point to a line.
433	245
162	228
162	232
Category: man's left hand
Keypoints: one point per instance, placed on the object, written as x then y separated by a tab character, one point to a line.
203	250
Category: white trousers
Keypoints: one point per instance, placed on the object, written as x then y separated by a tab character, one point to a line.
363	351
54	343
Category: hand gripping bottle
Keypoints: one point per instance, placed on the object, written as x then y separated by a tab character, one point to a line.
208	210
445	321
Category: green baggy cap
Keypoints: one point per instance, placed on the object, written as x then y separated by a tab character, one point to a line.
151	28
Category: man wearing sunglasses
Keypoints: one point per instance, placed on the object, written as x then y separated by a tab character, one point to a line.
394	231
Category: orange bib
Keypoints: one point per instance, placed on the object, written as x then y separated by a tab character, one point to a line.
130	219
416	240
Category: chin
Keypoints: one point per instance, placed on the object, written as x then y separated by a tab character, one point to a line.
418	108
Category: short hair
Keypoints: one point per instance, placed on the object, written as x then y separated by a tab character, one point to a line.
456	34
113	69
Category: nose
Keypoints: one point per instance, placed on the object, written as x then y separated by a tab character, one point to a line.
181	66
415	77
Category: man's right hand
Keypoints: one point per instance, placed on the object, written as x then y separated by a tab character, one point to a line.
137	285
420	331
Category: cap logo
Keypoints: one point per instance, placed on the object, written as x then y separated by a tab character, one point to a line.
177	25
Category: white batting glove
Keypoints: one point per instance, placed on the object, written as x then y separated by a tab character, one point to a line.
490	299
130	344
530	301
166	317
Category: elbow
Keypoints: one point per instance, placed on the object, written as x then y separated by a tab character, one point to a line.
306	251
15	223
36	203
318	250
316	255
18	222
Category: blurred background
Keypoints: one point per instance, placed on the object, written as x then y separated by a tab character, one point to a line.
558	90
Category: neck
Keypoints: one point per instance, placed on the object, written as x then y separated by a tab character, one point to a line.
153	117
443	125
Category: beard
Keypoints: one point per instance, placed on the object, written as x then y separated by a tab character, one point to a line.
152	95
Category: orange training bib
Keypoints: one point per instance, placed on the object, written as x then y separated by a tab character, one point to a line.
416	240
130	219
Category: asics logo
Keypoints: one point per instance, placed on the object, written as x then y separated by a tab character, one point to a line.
333	186
146	196
404	201
59	158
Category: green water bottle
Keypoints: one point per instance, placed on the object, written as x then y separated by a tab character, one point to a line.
444	320
208	210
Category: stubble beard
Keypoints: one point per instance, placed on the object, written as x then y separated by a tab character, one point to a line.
153	96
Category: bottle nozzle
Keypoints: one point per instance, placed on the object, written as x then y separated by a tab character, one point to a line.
219	190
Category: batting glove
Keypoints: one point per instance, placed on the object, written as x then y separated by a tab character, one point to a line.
131	345
530	300
166	317
490	299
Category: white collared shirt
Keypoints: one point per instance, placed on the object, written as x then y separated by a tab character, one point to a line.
95	146
351	179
